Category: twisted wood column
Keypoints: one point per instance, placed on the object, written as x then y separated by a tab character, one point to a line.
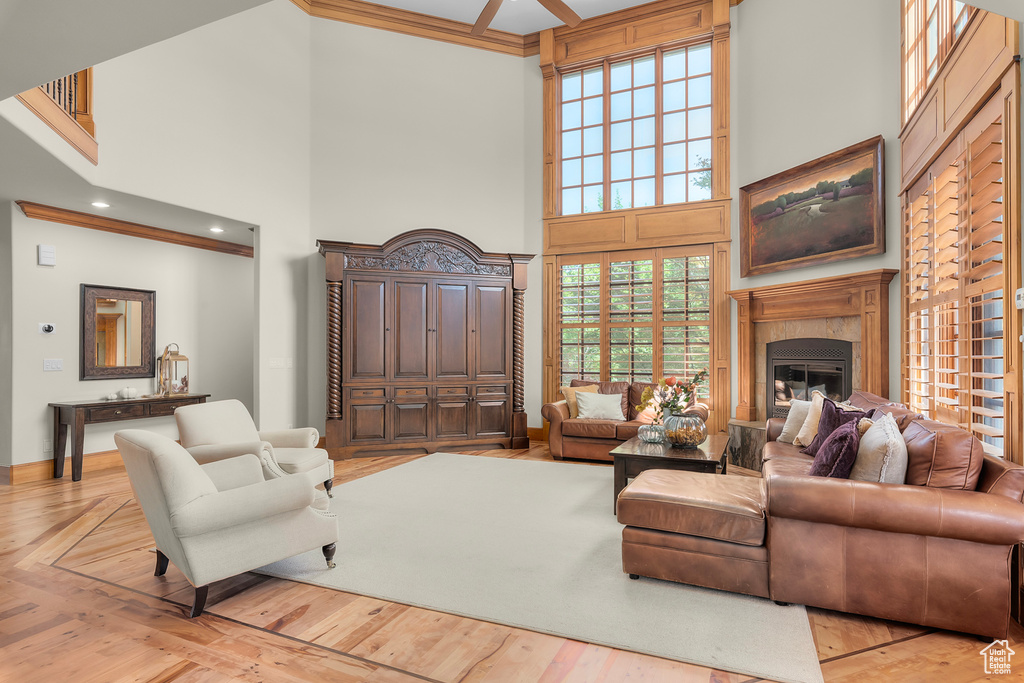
518	320
333	350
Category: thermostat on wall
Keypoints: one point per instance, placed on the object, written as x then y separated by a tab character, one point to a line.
46	255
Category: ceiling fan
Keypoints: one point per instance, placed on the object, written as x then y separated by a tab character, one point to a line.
556	7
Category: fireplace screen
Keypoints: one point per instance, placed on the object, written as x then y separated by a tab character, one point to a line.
797	367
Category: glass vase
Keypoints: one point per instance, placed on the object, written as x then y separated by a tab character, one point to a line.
653	433
685	430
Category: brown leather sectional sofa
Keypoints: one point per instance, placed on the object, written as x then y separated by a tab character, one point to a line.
935	551
593	439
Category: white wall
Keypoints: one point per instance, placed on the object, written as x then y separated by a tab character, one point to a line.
810	77
6	342
204	302
411	133
217	120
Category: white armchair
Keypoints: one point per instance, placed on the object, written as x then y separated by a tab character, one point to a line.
223	429
218	520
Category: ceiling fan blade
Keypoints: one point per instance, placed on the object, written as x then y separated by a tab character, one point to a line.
484	20
562	11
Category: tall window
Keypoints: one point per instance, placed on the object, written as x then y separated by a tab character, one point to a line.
930	27
636	132
634	316
954	289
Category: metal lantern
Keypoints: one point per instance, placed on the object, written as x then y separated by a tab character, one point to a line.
173	372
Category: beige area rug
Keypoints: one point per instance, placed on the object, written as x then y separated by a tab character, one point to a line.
535	545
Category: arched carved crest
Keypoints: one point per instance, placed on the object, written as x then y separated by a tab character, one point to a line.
435	257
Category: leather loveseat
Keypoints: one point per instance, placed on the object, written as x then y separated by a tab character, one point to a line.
936	551
570	437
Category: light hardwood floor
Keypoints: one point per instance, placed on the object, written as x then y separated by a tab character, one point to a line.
79	602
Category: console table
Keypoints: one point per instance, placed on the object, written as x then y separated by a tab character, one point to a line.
72	416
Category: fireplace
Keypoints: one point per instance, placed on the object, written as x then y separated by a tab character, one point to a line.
796	367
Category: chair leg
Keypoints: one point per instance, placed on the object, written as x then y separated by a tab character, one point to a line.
161	563
200	601
329	551
328	485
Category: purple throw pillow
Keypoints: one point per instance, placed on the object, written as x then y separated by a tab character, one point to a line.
832	418
837	454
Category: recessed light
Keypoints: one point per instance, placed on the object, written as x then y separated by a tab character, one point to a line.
101	205
216	229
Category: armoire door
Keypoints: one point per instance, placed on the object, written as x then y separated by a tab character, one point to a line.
491	331
409	334
492	411
452	412
451	330
366	326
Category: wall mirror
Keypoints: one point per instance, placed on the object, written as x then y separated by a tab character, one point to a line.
117	333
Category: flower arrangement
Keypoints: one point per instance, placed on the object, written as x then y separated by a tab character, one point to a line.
670	395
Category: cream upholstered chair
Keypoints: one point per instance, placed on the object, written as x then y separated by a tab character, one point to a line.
223	429
218	520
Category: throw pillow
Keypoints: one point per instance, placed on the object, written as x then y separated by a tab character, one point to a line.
832	417
882	455
795	420
863	425
809	429
646	416
600	406
570	397
837	454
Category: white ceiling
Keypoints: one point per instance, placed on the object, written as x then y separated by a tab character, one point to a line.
515	16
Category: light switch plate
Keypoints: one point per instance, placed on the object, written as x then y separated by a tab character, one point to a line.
53	364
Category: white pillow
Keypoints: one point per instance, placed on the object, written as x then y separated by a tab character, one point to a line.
795	420
882	454
600	406
809	429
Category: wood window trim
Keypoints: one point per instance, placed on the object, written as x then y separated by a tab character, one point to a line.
79	130
623	34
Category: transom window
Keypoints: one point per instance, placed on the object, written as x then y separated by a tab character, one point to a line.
636	132
930	27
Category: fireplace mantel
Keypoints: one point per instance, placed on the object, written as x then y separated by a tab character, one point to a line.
859	294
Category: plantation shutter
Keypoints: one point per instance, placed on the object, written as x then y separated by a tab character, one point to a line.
981	198
954	281
635	316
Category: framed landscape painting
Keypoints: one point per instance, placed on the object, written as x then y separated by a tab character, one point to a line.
829	209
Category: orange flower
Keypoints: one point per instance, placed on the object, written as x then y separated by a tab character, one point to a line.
670	381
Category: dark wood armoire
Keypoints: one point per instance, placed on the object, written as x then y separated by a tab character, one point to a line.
424	346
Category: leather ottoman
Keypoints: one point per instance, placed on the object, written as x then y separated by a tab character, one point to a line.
696	528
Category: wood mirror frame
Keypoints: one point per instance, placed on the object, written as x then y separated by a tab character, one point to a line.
88	367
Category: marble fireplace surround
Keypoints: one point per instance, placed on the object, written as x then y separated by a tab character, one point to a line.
832	308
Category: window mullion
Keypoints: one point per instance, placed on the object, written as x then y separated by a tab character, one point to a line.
607	133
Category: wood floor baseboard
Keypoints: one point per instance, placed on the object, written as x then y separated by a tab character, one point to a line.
537	433
42	470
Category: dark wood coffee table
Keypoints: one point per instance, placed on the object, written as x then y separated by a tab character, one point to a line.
635	456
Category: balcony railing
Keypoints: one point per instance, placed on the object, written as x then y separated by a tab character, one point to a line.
66	106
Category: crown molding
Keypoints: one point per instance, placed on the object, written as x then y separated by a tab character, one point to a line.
434	28
420	25
93	222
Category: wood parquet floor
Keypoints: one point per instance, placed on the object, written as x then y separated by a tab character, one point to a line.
78	601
